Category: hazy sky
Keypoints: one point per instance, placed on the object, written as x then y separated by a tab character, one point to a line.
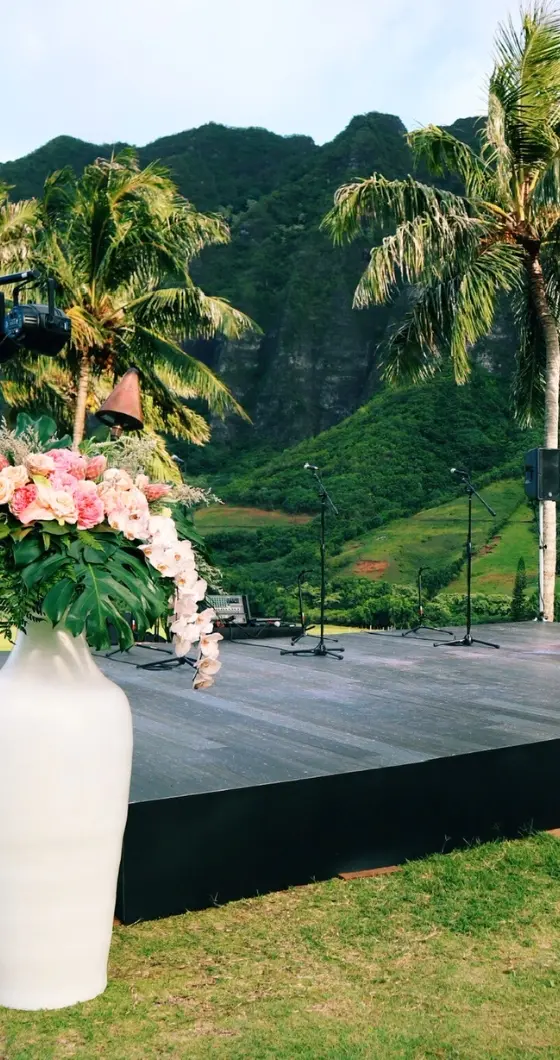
134	70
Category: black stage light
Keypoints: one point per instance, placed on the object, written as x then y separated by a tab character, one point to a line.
41	328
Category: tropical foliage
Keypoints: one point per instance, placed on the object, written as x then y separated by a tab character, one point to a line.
119	241
461	253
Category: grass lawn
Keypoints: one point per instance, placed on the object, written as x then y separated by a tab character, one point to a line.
494	569
433	537
452	957
223	517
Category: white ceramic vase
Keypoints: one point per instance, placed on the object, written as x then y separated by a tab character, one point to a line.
65	762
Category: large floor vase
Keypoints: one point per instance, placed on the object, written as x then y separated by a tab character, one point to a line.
65	762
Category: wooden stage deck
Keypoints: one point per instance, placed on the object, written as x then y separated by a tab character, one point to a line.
294	768
392	701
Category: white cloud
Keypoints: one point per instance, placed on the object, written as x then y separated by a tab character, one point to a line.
134	70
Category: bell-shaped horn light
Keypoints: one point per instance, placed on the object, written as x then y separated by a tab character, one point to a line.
122	411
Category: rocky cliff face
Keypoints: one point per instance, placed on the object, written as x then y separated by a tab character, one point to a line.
315	361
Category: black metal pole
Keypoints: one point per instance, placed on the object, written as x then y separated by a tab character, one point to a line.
469	563
468	640
320	648
323	585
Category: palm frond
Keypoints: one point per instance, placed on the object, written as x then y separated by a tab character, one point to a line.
447	318
418	252
199	376
387	202
189	313
443	153
529	379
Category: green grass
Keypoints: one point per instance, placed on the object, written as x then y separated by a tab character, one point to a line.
453	957
434	537
223	517
494	570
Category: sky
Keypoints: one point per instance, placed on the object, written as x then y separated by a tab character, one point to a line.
135	70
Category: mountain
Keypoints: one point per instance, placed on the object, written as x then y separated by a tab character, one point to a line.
382	465
314	363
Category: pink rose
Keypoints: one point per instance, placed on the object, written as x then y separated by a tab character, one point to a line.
96	466
17	476
63	480
156	490
21	500
90	509
3	462
67	460
40	464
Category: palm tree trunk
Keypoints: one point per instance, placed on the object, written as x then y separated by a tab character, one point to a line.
81	400
552	395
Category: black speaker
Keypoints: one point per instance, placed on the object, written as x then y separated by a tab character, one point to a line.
542	474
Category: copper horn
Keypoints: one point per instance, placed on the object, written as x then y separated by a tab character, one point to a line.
122	410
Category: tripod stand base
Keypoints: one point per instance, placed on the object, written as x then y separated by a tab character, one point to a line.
434	629
320	649
164	664
465	642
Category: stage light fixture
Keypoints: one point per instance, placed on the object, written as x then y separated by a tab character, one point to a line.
41	328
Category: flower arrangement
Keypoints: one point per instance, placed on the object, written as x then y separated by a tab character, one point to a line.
83	544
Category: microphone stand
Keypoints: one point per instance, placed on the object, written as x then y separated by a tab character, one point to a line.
320	648
421	624
304	629
468	640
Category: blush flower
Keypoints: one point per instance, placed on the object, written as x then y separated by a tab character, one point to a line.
17	475
22	498
4	462
63	480
156	490
116	478
40	464
68	461
96	467
6	490
89	505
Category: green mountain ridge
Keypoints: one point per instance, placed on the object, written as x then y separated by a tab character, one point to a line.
315	361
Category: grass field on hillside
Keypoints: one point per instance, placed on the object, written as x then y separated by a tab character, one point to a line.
456	956
433	537
224	517
494	569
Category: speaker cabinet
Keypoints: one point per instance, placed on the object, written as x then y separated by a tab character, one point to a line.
542	474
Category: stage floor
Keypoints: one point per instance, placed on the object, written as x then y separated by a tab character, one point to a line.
392	701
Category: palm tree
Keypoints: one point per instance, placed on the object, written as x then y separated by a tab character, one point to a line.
460	252
17	223
119	241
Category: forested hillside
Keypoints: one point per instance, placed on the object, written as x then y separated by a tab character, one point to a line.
314	364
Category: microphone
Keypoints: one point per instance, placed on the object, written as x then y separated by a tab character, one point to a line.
310	467
459	471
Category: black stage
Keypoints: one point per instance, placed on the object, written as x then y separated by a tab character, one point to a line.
292	769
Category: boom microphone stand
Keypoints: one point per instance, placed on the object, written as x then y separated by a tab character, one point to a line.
321	647
421	624
468	640
304	629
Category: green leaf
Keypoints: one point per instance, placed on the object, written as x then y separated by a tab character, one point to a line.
25	552
46	541
42	569
87	538
20	533
5	530
55	528
58	599
75	549
94	555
